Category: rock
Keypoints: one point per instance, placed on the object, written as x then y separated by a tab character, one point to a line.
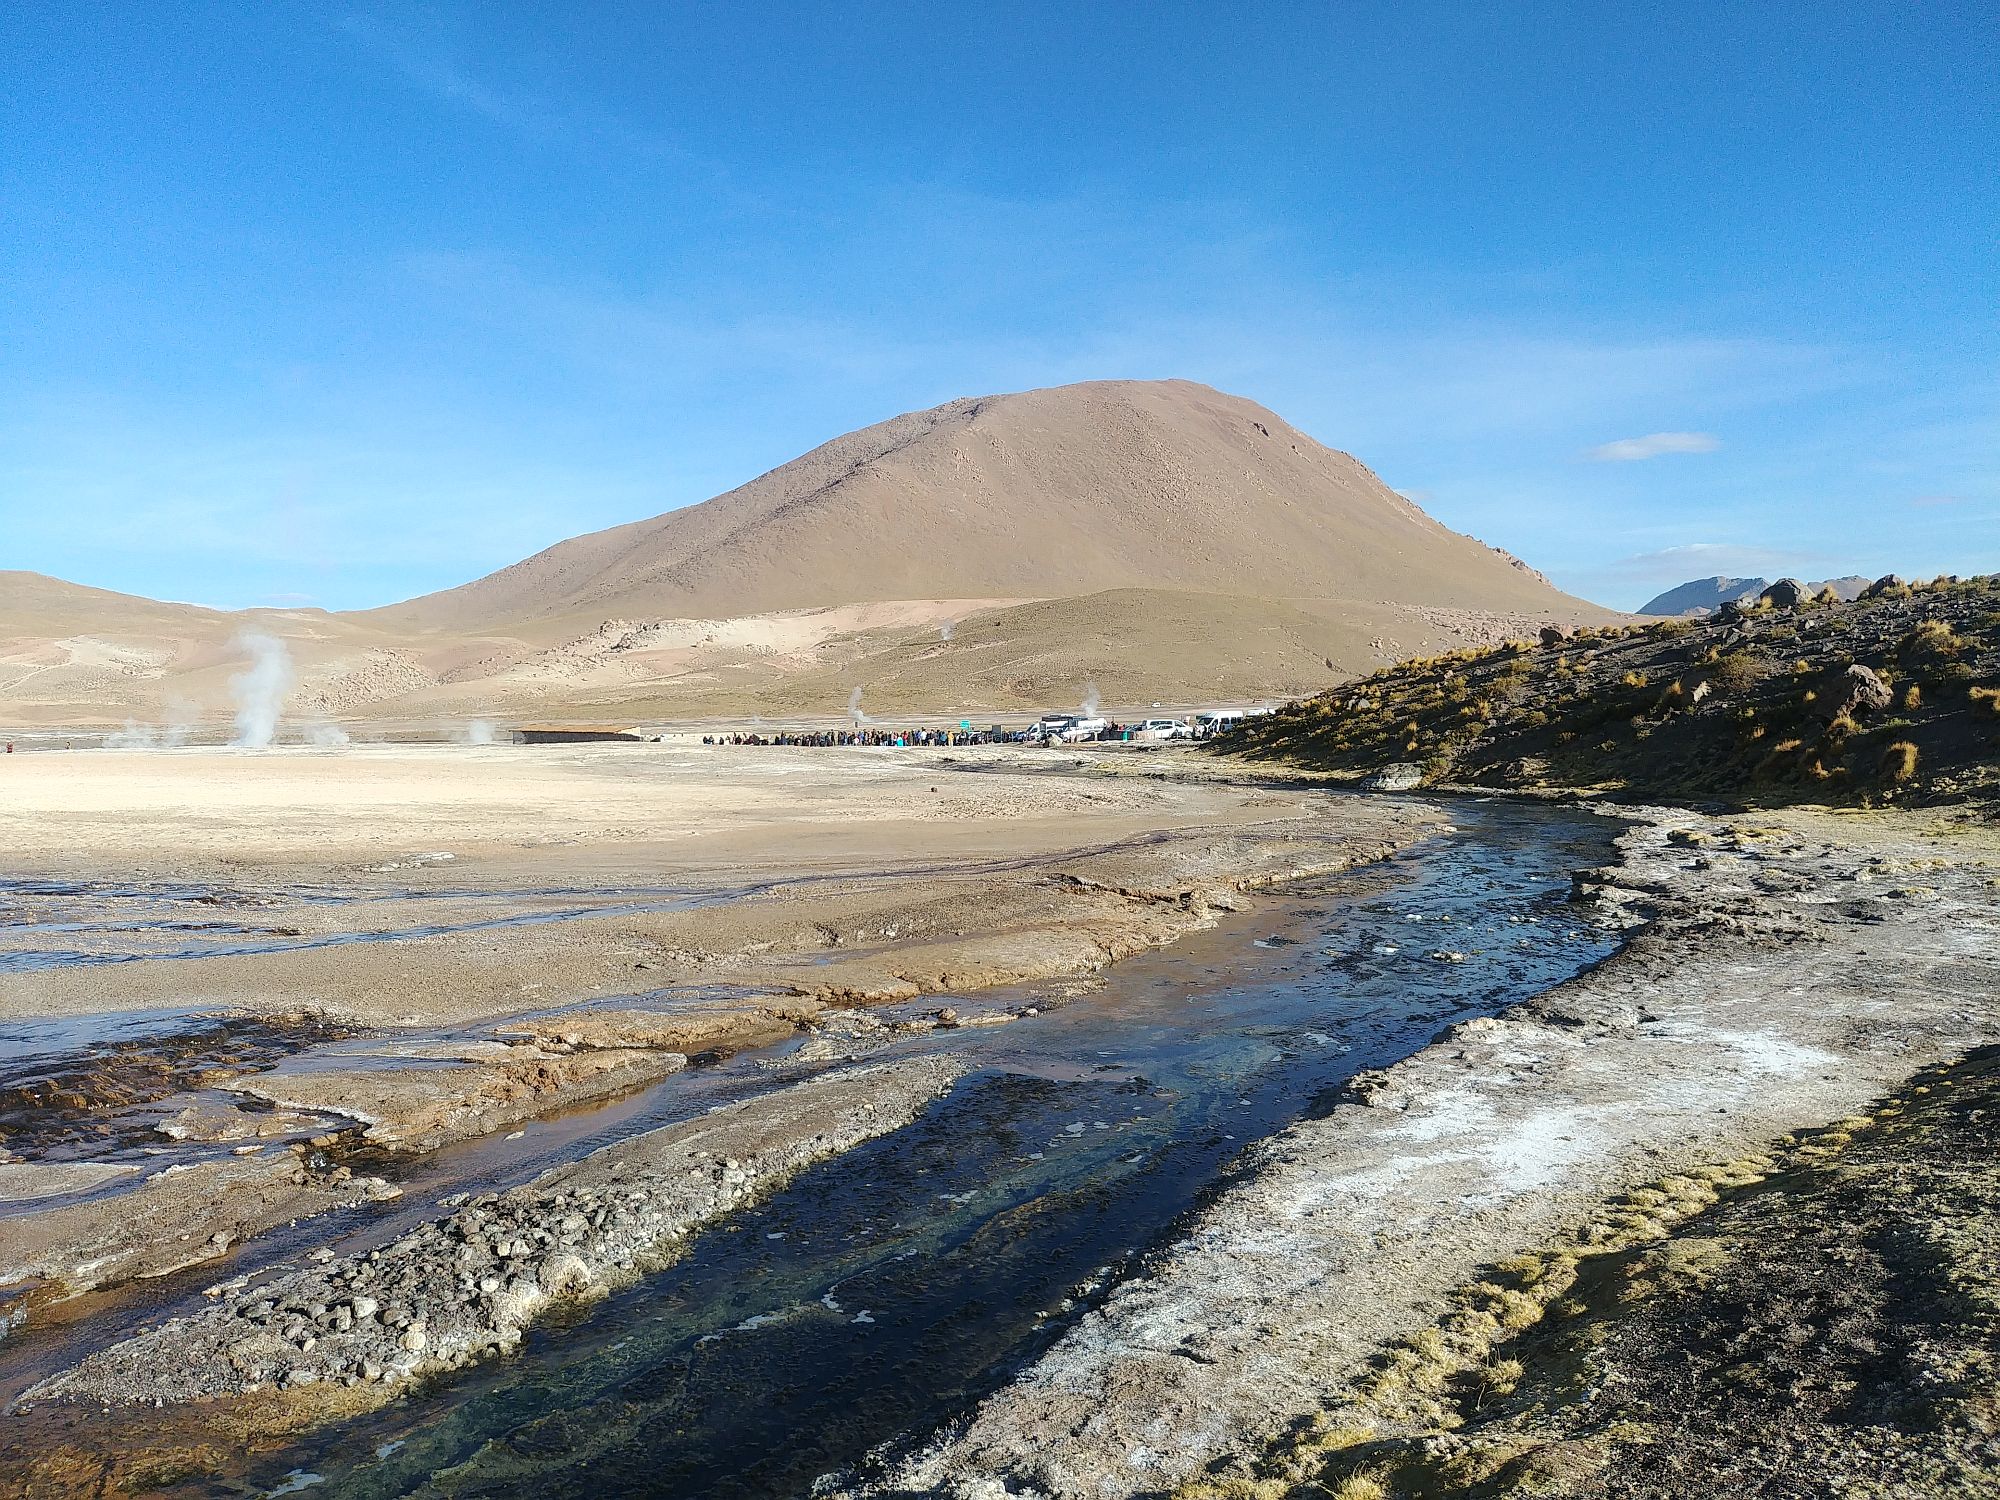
1888	583
1729	612
1400	776
1554	635
564	1273
1857	690
414	1338
1786	593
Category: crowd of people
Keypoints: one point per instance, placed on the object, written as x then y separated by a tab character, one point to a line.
900	738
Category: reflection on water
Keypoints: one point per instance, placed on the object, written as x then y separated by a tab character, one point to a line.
886	1290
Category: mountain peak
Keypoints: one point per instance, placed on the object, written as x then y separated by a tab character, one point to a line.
1055	492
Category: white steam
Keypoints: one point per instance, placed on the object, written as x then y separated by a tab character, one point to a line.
328	736
854	708
944	631
259	690
168	736
480	732
1091	702
134	736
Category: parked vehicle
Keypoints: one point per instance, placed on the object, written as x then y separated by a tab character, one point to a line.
1207	726
1166	729
1082	729
1050	726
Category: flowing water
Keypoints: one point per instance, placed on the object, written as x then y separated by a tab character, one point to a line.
883	1292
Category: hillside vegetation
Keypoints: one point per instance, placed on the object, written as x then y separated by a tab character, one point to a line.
1894	697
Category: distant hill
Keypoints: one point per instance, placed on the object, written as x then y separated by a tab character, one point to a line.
1703	594
1712	593
1145	541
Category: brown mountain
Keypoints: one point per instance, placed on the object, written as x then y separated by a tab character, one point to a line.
1158	541
1049	493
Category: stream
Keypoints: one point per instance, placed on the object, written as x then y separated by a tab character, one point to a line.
883	1292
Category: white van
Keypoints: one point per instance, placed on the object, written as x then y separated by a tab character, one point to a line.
1207	726
1165	729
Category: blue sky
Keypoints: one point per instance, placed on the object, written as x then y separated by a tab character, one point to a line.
339	304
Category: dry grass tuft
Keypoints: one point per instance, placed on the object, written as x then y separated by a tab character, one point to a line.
1899	762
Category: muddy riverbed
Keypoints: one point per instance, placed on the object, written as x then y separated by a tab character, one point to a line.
873	1295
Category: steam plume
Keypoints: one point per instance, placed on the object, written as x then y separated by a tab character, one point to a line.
479	732
259	690
332	736
944	631
854	708
1091	702
134	736
169	736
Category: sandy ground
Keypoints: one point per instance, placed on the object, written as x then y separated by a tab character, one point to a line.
443	911
1790	973
514	812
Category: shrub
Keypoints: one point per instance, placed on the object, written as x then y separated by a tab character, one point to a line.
1913	696
1738	670
1988	696
1930	639
1899	762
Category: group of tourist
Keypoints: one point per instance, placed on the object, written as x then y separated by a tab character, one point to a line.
994	734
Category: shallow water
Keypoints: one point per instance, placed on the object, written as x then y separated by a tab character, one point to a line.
884	1291
129	940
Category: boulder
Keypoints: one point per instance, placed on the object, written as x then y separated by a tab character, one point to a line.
1729	612
1888	583
1786	593
1400	776
1854	691
1554	635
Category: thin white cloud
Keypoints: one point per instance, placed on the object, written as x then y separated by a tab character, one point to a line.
424	57
1935	502
1673	565
1653	445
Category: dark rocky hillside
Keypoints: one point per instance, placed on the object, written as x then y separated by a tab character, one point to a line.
1894	697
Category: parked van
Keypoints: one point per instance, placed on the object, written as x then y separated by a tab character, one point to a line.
1083	729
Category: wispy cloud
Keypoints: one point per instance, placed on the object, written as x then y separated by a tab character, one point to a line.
1672	565
424	58
1653	445
1935	502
